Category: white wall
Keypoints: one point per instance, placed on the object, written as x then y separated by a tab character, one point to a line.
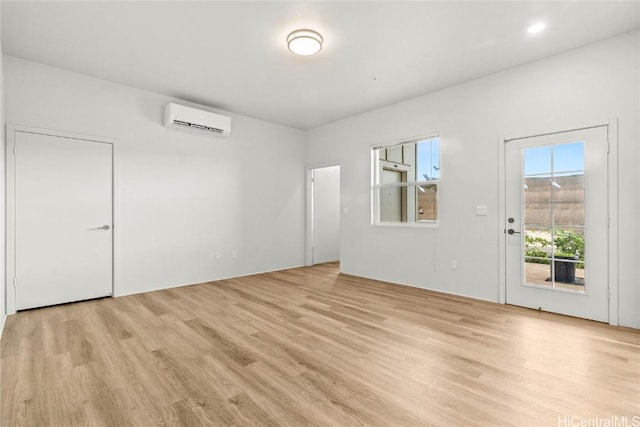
326	214
583	87
181	197
2	166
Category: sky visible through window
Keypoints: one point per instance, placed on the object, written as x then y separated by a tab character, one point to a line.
568	159
428	152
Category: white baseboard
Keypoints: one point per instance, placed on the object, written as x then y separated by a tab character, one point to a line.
413	285
124	294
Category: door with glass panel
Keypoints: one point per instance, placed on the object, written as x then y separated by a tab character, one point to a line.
556	226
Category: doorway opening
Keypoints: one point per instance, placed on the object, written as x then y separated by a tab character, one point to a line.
323	219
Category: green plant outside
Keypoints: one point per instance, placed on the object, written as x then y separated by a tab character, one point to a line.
534	248
567	244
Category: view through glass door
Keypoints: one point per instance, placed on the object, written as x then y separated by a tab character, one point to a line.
557	231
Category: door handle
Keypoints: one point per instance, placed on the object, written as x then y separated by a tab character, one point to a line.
105	227
512	231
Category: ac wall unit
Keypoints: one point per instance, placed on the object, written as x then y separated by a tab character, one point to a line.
190	119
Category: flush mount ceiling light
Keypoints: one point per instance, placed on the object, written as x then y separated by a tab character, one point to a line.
304	42
536	28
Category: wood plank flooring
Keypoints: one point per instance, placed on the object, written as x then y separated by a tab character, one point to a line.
310	346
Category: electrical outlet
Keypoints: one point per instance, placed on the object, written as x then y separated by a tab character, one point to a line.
453	265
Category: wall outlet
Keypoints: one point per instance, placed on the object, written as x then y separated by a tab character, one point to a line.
234	253
453	264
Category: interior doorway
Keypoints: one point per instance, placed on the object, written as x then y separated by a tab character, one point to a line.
324	215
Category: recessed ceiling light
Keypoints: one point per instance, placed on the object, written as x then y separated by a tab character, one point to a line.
304	42
536	28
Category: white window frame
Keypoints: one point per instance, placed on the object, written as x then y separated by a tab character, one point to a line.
376	172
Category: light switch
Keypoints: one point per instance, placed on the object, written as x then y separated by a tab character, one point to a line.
481	210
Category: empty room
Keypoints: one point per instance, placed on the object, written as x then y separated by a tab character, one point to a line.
320	213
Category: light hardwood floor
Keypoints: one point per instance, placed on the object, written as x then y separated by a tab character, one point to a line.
309	346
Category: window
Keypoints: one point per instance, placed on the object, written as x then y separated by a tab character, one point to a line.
406	178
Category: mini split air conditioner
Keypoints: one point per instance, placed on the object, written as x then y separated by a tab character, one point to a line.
190	119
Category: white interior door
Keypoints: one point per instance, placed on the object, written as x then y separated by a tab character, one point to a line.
326	214
63	219
557	226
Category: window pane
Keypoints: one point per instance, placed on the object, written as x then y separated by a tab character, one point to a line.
537	161
537	190
537	216
568	188
394	154
390	176
391	204
428	160
568	215
410	204
568	159
427	202
409	173
537	271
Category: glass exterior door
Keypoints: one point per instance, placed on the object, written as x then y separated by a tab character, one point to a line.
553	215
557	230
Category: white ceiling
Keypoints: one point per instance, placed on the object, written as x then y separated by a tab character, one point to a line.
232	55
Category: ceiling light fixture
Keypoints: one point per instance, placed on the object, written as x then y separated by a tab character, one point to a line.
536	28
304	42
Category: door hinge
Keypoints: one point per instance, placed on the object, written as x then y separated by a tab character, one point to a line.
608	221
14	282
608	293
608	146
14	149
